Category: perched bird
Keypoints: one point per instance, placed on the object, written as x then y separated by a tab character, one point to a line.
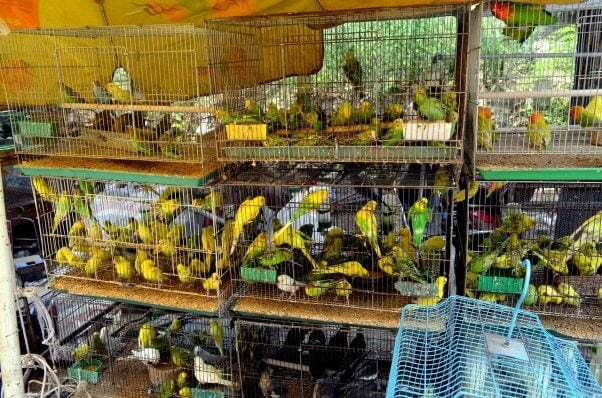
353	71
212	283
316	348
538	131
394	136
364	113
208	374
343	115
394	111
123	267
217	334
460	195
92	266
291	348
337	348
590	115
61	209
212	200
100	94
440	283
43	188
184	273
287	284
287	235
257	247
119	94
69	95
246	213
151	272
520	19
485	129
419	215
427	107
357	347
349	268
343	289
365	219
310	202
146	336
180	357
332	249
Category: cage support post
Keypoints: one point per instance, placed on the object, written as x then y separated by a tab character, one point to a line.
10	355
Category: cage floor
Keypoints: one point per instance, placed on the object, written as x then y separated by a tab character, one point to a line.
414	154
172	299
104	146
307	312
124	170
587	329
512	152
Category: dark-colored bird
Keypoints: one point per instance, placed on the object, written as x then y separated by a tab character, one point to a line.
292	344
316	348
357	347
269	387
353	72
337	347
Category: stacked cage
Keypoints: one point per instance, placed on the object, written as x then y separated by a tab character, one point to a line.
130	351
557	226
142	242
114	92
305	360
365	86
540	89
351	236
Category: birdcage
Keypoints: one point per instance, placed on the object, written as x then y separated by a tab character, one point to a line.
467	347
138	350
532	78
557	227
144	243
338	237
341	86
121	92
305	359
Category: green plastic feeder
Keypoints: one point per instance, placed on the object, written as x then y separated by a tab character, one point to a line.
86	370
201	393
500	284
37	129
250	274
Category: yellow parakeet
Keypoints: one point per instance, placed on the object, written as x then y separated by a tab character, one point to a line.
365	219
247	212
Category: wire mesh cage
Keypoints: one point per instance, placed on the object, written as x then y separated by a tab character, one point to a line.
130	92
456	349
131	351
540	86
342	235
379	85
141	242
312	360
557	227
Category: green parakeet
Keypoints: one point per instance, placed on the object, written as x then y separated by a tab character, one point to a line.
365	219
309	203
333	245
394	136
343	116
353	71
217	334
62	209
80	205
69	95
419	215
538	131
365	113
394	111
427	107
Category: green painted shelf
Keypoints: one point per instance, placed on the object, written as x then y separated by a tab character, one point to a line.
565	174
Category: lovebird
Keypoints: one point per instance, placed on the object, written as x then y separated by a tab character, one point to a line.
394	136
427	107
69	95
217	334
353	71
538	131
485	129
419	215
591	114
61	210
100	94
520	19
247	212
365	219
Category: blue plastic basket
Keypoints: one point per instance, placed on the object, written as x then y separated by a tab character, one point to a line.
464	347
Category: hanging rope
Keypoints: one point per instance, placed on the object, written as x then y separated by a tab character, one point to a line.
49	337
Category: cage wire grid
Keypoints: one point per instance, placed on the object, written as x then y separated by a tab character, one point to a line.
311	105
156	108
163	238
442	351
125	371
327	251
541	222
303	359
556	68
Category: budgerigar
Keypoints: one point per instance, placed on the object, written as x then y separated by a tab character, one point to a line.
217	334
365	219
247	212
419	215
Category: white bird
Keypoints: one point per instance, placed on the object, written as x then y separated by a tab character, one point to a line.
208	374
288	284
148	355
113	343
